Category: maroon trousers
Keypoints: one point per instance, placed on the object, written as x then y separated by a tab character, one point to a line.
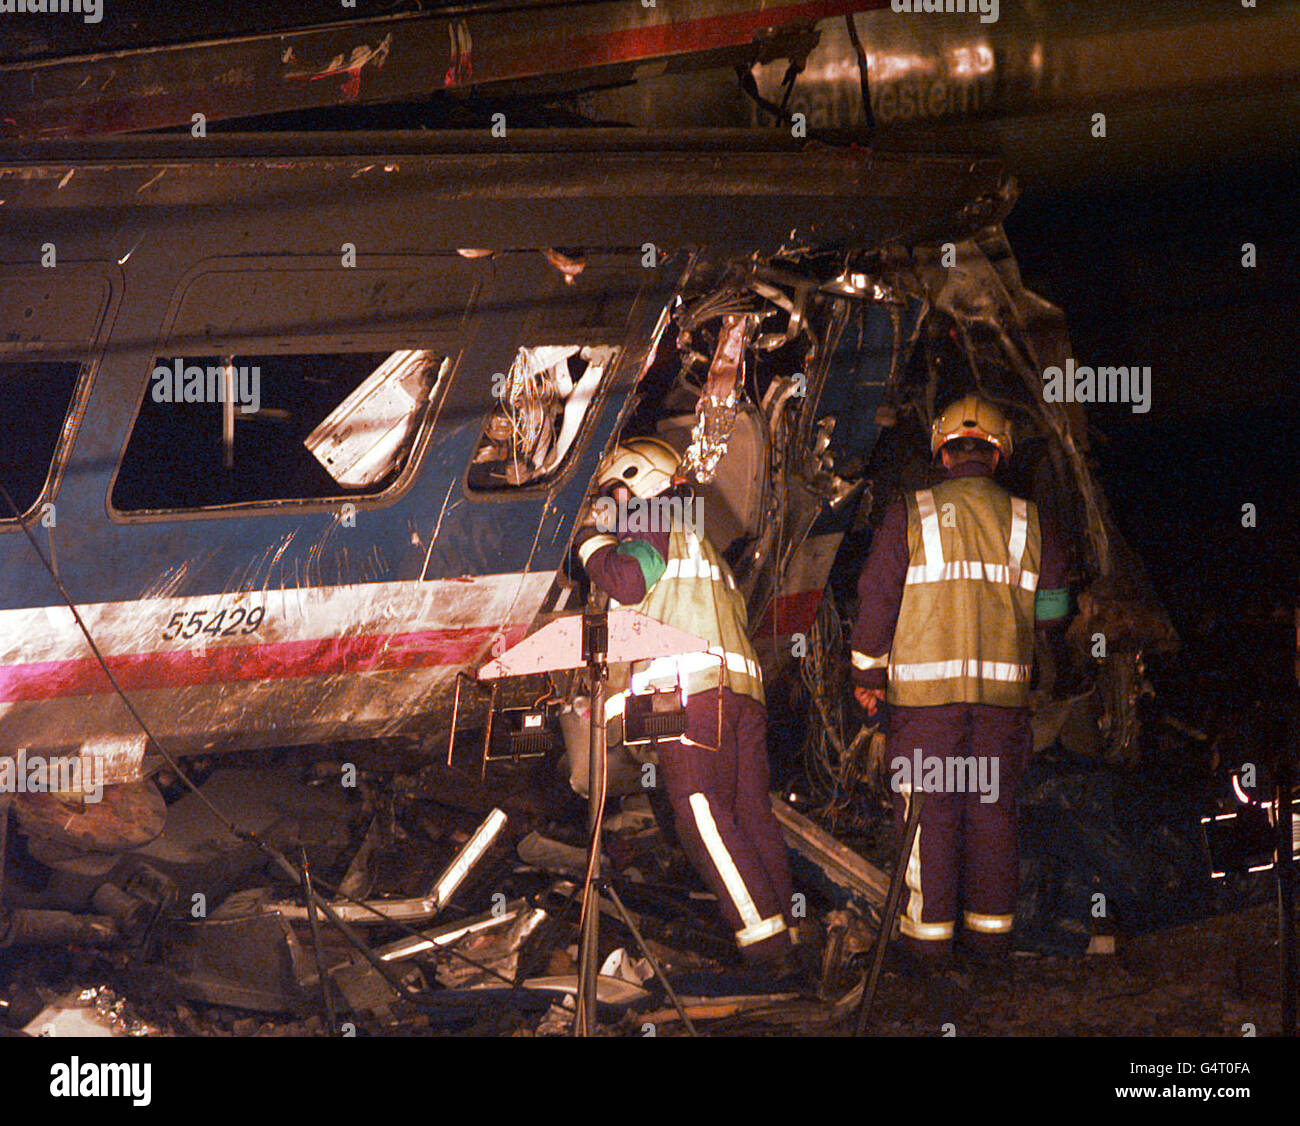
965	852
725	821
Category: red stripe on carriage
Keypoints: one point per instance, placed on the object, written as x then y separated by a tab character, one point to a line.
283	660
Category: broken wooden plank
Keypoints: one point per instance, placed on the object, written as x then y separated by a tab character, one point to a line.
842	866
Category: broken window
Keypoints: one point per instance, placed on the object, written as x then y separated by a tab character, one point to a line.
541	403
35	401
365	438
228	430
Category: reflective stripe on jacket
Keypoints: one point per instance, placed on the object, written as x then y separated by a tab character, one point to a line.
965	630
696	593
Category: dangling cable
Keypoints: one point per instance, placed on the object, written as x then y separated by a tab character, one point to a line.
249	835
868	117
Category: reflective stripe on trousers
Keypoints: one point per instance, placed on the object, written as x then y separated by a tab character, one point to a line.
756	928
910	921
988	924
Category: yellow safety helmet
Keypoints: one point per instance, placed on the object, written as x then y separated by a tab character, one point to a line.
645	465
972	417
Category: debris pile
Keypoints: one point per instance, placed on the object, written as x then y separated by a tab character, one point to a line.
458	919
462	916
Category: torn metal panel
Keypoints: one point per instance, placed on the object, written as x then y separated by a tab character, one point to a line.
96	1011
552	856
363	438
367	992
612	991
733	502
414	908
451	933
372	912
357	881
717	406
469	855
253	962
495	950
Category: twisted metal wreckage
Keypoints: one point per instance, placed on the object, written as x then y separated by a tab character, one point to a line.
802	383
952	316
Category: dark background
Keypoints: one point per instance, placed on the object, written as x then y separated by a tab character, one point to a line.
1151	274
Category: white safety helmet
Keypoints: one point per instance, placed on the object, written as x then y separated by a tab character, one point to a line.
645	465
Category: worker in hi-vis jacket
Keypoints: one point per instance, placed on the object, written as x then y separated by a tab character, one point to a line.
718	787
956	580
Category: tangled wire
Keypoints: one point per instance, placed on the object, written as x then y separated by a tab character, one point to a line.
533	398
836	767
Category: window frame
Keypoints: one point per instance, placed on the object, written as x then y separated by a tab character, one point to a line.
450	344
394	492
87	354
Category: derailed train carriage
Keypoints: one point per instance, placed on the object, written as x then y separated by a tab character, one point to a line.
295	433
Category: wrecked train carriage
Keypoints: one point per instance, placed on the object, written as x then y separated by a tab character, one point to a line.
297	481
848	354
299	451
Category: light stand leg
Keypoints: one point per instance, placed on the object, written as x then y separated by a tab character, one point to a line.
654	964
589	947
321	977
892	901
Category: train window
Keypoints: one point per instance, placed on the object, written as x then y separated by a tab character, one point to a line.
229	430
35	398
541	404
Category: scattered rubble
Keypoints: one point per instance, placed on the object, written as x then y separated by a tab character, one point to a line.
464	920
